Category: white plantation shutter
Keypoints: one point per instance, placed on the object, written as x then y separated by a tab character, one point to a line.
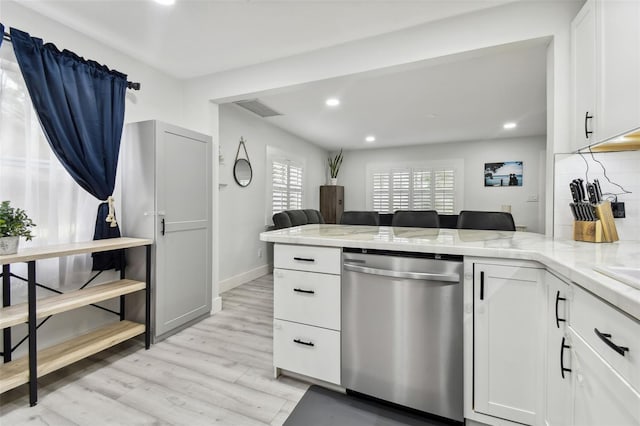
422	193
381	191
444	192
413	189
400	189
287	183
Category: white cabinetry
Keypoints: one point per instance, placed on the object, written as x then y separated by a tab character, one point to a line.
507	341
306	310
558	386
605	368
619	66
583	70
605	70
166	196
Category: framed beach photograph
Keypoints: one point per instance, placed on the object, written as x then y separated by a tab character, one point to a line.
507	173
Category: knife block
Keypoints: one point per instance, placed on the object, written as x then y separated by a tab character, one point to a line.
602	230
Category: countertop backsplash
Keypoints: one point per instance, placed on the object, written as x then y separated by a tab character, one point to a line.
622	168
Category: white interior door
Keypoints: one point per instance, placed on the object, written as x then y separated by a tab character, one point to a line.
183	282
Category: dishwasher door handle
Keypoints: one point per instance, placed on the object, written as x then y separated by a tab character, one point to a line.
426	276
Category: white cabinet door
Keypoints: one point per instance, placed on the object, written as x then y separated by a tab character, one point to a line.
558	386
600	395
507	341
183	242
619	72
584	73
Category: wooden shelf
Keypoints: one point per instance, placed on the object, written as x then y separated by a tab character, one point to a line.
18	314
16	373
46	252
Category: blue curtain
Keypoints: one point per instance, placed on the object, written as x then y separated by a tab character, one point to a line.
80	105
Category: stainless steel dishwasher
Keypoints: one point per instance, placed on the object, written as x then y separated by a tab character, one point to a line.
402	329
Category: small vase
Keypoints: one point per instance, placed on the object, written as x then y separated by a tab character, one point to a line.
9	245
334	181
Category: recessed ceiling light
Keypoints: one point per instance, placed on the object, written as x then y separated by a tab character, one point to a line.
509	125
332	102
370	139
165	2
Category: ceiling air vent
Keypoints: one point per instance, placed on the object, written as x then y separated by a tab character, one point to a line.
257	107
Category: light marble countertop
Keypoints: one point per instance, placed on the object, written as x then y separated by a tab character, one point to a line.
572	259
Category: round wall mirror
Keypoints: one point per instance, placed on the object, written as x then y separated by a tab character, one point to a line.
242	172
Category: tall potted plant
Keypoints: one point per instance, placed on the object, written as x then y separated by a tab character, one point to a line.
14	223
334	167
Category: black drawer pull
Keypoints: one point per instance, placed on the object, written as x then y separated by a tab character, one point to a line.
558	298
562	348
587	132
605	337
482	285
299	290
304	259
302	342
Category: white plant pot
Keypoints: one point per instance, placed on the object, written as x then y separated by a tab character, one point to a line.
334	181
9	245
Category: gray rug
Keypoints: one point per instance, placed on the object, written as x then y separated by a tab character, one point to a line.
322	407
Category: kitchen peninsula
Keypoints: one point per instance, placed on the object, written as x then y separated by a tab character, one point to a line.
532	306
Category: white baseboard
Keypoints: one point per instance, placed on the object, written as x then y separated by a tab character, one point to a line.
244	277
216	306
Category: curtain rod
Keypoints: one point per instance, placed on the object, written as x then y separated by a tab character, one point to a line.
130	84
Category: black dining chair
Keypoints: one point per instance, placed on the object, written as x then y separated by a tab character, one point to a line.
360	218
492	221
416	218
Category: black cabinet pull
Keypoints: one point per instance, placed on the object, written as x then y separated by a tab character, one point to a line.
299	290
302	342
304	259
558	298
605	337
482	285
162	229
587	132
562	348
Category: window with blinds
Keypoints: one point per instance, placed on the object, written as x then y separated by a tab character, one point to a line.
286	178
413	189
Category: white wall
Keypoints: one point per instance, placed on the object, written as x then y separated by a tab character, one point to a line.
161	97
242	210
622	168
512	22
474	154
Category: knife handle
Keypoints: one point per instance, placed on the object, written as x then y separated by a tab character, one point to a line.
592	193
596	183
574	192
573	211
583	193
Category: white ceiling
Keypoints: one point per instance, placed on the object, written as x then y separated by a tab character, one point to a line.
459	98
465	97
199	37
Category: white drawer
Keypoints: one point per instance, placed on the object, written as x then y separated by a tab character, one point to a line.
589	313
307	258
312	351
307	297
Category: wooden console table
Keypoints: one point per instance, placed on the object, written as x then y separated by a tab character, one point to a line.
36	363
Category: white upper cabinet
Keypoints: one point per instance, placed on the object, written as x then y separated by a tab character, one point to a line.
619	61
605	70
583	70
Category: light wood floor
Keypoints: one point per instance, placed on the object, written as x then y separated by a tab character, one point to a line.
217	372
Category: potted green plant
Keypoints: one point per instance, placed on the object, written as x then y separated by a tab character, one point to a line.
14	223
334	167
